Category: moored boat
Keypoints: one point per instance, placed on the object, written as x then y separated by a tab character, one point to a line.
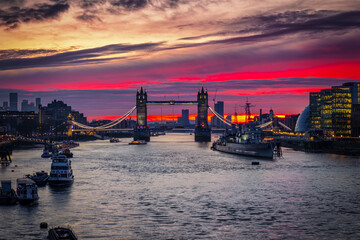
58	233
40	178
7	194
67	153
46	154
137	142
27	191
249	142
114	140
61	173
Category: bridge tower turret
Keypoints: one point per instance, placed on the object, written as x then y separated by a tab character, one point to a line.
202	130
141	131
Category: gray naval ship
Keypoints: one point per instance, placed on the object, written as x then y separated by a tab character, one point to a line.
249	141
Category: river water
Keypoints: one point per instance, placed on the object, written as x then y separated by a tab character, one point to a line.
174	188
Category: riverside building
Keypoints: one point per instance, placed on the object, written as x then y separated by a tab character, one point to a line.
336	110
56	113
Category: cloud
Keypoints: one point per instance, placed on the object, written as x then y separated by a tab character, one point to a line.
86	4
20	53
164	4
8	3
14	15
129	5
89	17
122	7
71	57
228	60
277	25
265	93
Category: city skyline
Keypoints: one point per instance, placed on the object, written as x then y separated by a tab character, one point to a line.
95	55
26	105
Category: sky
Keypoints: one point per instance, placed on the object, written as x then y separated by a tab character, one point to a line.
94	55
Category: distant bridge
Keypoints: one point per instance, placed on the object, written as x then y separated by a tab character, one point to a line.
142	131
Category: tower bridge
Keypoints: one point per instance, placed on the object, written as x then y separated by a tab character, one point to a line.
142	131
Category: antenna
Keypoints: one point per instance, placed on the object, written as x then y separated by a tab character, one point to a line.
247	109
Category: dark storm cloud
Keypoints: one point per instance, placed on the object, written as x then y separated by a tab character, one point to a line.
14	15
281	24
72	57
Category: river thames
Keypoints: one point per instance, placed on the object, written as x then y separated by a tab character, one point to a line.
174	188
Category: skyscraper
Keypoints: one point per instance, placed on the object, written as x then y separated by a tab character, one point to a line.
25	105
219	108
37	104
13	101
185	117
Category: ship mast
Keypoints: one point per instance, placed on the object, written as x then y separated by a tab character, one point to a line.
247	110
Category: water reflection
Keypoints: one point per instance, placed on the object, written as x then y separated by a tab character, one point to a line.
174	188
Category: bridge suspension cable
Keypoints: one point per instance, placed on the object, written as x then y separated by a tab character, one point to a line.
107	125
265	124
220	117
118	120
284	126
271	122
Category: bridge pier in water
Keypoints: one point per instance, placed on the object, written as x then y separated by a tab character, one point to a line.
141	131
202	130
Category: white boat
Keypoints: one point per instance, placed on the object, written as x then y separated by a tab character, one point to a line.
58	155
61	173
46	154
27	191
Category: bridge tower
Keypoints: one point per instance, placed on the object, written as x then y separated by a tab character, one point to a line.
69	125
202	130
141	131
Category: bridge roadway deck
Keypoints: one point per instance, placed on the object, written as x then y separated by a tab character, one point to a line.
131	129
172	102
103	130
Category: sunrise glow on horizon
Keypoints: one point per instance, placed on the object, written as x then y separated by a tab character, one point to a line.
239	118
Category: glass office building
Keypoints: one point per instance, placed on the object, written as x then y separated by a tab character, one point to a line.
334	110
